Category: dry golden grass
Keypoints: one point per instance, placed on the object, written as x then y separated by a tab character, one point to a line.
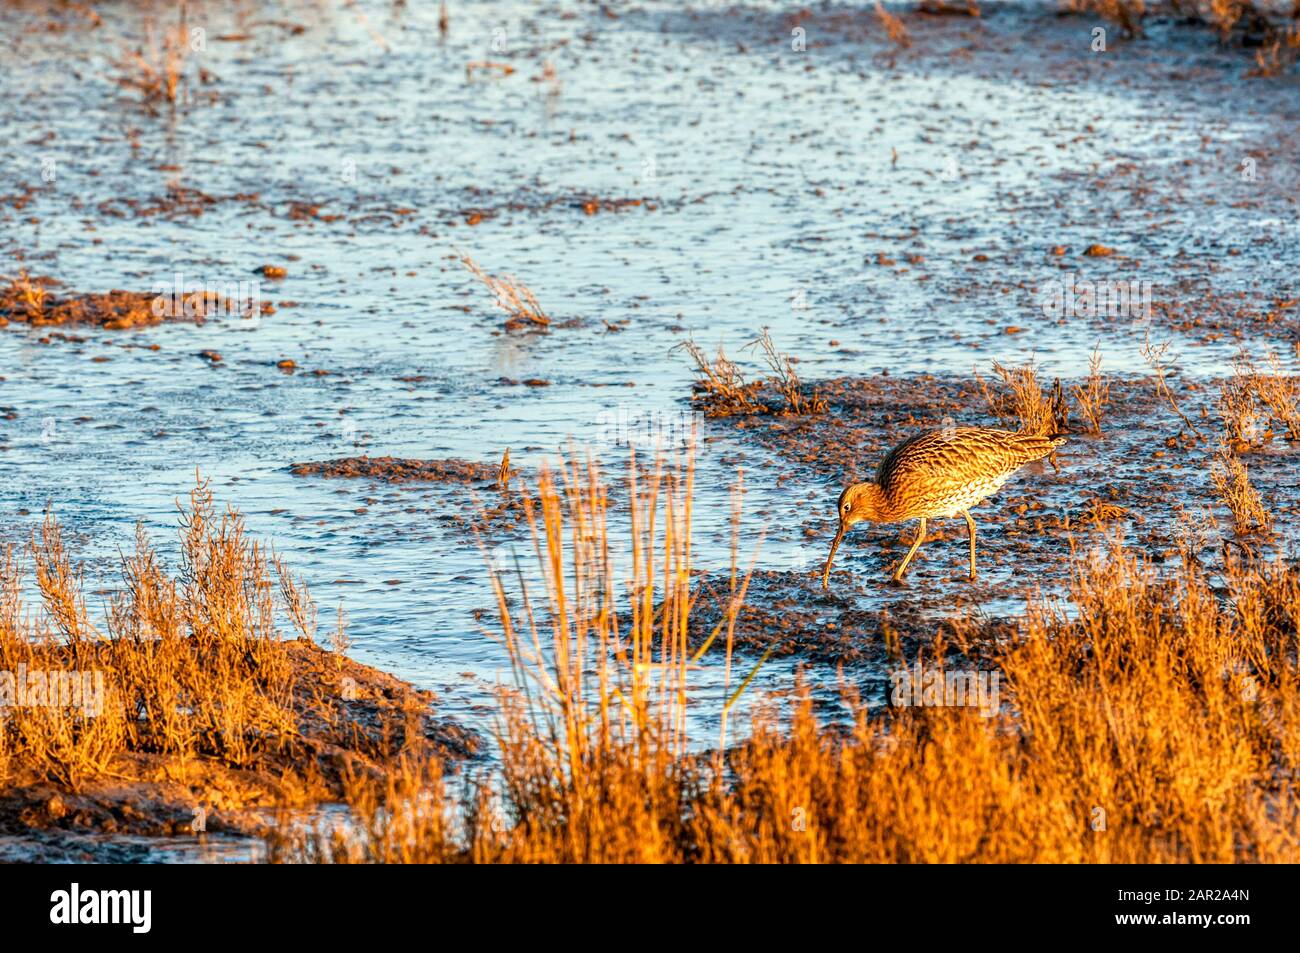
723	391
1275	390
24	299
1279	53
721	386
193	664
786	381
1156	723
1272	31
156	69
1021	403
1160	361
1226	14
1242	424
504	472
404	813
195	681
1253	400
1249	514
1091	398
894	27
1127	13
511	295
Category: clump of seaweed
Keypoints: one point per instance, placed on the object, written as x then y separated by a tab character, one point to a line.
29	300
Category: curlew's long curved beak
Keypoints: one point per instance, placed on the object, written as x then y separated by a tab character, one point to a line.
826	573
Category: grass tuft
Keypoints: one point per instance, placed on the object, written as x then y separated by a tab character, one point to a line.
1091	398
512	296
1020	401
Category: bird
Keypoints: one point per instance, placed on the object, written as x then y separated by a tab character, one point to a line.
938	473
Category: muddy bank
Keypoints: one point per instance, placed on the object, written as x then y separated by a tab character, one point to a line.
790	615
483	204
349	718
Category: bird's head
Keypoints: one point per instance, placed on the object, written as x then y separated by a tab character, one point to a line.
861	501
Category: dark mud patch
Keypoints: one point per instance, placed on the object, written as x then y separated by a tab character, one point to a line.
350	718
178	202
499	509
483	205
399	470
789	614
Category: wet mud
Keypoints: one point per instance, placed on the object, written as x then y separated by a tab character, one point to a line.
1146	476
394	470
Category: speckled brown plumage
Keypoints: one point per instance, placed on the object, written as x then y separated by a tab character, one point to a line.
942	472
938	473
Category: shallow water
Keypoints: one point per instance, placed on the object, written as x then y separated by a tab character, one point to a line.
776	178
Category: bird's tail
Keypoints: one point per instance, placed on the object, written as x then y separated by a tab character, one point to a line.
1042	442
1037	446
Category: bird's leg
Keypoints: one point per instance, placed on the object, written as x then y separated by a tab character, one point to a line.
920	538
971	523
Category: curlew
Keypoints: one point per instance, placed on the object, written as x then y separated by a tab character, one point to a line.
937	473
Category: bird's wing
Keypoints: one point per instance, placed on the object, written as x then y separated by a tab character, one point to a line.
953	457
